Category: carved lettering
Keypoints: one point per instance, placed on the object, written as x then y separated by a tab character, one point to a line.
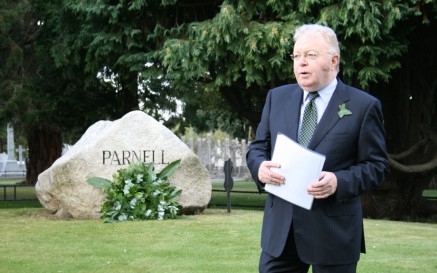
115	158
136	156
146	156
106	155
162	157
125	157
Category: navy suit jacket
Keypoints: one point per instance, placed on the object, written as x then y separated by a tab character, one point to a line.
354	146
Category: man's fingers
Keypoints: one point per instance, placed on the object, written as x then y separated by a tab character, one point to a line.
271	164
267	176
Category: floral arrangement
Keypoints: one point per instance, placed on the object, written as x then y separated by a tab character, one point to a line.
137	193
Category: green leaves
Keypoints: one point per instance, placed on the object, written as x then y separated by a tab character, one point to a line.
99	182
230	48
343	111
169	170
137	193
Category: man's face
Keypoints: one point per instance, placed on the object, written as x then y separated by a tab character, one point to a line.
314	66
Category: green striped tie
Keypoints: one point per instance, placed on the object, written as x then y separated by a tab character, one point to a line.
309	120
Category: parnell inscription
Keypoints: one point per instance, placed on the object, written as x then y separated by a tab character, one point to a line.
125	157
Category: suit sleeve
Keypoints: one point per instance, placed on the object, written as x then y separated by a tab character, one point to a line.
371	163
261	148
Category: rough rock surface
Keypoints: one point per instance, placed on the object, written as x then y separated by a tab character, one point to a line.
110	145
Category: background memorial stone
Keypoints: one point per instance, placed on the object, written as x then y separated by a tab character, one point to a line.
62	189
11	142
10	167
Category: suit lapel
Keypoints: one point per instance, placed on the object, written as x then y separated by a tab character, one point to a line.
292	113
330	117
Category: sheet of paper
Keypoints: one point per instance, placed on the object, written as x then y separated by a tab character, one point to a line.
300	167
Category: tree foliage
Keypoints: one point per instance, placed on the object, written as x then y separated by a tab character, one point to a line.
385	49
13	38
68	63
75	62
43	101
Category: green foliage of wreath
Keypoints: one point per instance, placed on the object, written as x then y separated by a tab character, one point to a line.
138	193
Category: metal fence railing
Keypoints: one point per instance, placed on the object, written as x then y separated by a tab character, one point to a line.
12	175
237	198
17	192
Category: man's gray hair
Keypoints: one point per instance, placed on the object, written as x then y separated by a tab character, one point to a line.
327	32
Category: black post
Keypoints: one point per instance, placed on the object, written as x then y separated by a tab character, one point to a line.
229	182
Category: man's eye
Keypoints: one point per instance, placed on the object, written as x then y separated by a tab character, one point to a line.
312	55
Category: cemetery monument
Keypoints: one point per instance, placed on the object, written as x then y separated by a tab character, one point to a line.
9	166
110	145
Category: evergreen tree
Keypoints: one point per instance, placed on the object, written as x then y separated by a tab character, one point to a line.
387	50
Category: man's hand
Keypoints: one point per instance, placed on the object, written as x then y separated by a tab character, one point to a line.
266	176
325	187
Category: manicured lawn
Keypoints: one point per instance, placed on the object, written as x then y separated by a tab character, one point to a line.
431	194
15	193
215	241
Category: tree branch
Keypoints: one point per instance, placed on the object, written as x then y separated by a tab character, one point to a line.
410	151
429	166
419	168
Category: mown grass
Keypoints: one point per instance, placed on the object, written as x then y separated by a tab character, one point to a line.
215	241
430	194
212	242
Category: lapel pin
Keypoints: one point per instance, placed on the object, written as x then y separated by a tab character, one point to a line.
343	111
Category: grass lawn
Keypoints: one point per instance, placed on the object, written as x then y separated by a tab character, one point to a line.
215	241
15	193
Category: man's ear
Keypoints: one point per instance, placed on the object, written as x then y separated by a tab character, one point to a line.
335	62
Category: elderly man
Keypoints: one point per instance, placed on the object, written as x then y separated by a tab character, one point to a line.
344	124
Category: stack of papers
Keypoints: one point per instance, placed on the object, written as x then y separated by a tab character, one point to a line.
300	167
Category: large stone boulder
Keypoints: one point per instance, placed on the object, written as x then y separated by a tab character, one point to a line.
111	145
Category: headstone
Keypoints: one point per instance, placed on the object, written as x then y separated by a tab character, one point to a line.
20	154
108	146
214	152
11	167
244	170
11	144
3	159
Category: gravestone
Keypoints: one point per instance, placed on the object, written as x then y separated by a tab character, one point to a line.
110	145
3	159
214	153
10	167
10	142
20	154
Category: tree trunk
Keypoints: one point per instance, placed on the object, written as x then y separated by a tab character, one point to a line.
409	102
45	146
400	197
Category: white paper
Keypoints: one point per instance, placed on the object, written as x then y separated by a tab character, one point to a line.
300	167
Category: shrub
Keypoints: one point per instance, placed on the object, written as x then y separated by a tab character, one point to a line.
137	193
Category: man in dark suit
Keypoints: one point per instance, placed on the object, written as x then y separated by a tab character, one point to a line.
349	132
